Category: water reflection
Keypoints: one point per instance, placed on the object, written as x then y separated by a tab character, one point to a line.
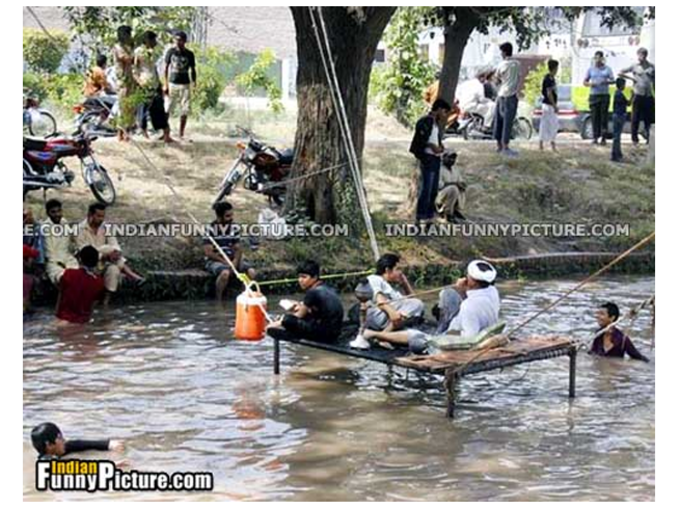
167	378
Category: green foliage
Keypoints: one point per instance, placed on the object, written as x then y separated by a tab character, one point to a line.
212	67
533	83
35	86
65	90
398	86
43	54
258	77
96	27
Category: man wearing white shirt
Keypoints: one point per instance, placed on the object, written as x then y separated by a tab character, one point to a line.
507	75
59	247
390	308
479	309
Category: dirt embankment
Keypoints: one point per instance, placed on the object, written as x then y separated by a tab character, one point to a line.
576	185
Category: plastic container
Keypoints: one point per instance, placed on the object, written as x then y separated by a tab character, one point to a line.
250	317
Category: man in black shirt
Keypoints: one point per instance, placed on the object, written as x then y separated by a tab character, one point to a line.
549	120
223	231
49	442
621	104
427	147
180	76
319	316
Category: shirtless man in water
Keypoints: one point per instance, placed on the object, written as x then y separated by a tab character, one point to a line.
613	342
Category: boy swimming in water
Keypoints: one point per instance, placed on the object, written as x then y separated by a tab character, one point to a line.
49	442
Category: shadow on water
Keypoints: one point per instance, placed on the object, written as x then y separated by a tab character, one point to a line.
169	380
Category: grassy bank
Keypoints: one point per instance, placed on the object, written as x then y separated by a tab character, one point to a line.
576	185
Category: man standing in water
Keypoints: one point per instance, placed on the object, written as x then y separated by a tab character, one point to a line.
612	342
80	289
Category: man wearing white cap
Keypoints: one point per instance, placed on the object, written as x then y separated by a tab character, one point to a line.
481	304
479	309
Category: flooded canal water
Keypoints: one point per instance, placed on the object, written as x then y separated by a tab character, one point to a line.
169	380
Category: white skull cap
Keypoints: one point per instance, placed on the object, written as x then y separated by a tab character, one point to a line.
476	273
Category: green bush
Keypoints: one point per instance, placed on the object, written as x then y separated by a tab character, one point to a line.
212	69
258	77
533	84
398	85
43	54
35	86
64	90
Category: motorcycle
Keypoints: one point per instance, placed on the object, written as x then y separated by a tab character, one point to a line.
37	121
44	167
261	166
93	114
475	126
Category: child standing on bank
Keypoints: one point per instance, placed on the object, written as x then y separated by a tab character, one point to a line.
621	104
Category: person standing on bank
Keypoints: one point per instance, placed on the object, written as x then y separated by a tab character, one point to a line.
123	57
507	75
427	147
643	77
550	123
146	76
180	76
598	78
621	104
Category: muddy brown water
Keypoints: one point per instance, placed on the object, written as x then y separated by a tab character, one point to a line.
169	380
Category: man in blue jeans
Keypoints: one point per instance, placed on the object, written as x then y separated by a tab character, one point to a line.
598	78
507	75
427	147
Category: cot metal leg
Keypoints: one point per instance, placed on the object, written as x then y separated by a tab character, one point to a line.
572	373
277	357
451	388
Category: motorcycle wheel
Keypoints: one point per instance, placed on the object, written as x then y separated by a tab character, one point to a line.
100	184
43	125
474	126
587	128
522	129
87	124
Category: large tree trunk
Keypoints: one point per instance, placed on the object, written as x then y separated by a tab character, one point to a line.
354	33
455	39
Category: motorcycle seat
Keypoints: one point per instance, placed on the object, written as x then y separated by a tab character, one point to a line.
287	156
97	103
34	144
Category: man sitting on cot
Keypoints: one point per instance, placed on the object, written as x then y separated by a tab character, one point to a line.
472	305
612	342
389	310
319	316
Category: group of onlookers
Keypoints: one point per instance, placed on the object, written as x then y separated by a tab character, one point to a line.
599	78
142	92
84	263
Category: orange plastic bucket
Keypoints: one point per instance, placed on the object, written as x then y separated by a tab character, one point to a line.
250	318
